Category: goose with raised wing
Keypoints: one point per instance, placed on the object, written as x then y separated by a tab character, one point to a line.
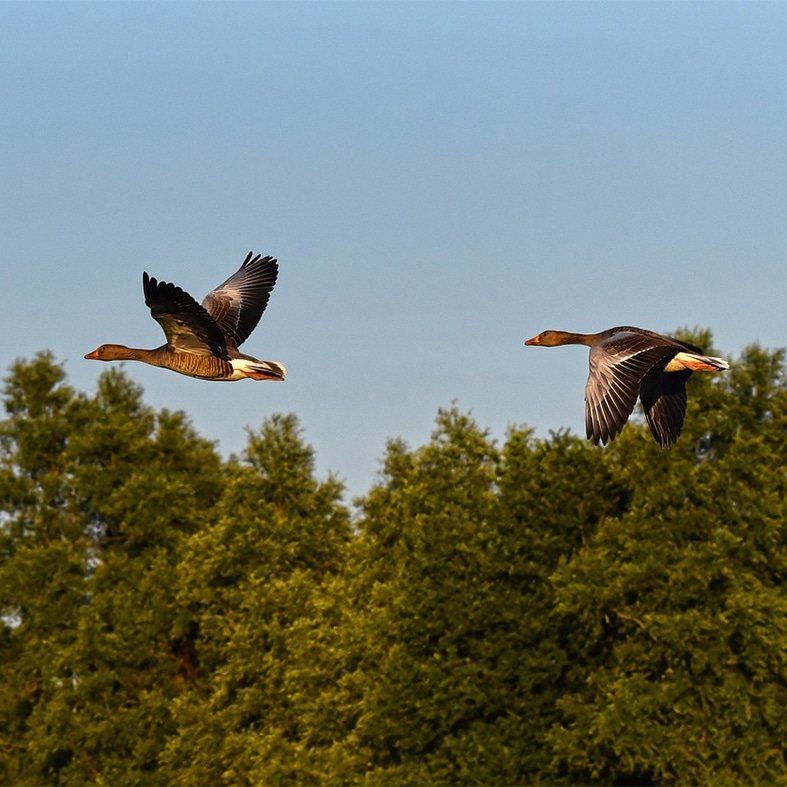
626	363
203	340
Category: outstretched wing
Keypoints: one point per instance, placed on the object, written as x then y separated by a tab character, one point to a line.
237	305
185	323
617	367
663	396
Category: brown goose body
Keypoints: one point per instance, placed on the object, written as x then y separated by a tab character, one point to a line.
203	340
627	363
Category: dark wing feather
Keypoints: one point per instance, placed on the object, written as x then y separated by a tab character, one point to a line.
185	323
618	365
663	396
237	304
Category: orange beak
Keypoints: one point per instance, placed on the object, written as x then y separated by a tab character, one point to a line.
534	340
92	356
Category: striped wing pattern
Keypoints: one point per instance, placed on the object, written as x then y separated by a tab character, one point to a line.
617	368
237	304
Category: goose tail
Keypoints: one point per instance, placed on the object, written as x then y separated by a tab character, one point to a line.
698	363
258	370
267	370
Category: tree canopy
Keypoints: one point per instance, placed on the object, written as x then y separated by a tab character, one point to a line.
524	611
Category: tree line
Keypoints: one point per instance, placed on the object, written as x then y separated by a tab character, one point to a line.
516	612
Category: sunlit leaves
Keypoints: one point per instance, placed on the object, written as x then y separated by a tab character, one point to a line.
529	611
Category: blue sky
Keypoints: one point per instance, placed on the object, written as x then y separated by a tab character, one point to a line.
439	181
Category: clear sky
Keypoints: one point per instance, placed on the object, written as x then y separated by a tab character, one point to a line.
439	181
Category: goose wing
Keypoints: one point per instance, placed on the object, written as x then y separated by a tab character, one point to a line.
185	323
618	364
237	304
663	396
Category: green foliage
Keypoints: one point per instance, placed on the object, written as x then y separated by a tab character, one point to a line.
428	575
98	495
675	614
256	614
540	611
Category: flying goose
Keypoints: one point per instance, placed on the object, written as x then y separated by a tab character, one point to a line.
203	341
628	362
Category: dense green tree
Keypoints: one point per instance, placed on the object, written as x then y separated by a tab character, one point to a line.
425	576
458	670
42	559
258	613
96	496
542	611
674	615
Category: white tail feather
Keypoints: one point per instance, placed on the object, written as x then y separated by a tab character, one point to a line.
697	363
258	370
